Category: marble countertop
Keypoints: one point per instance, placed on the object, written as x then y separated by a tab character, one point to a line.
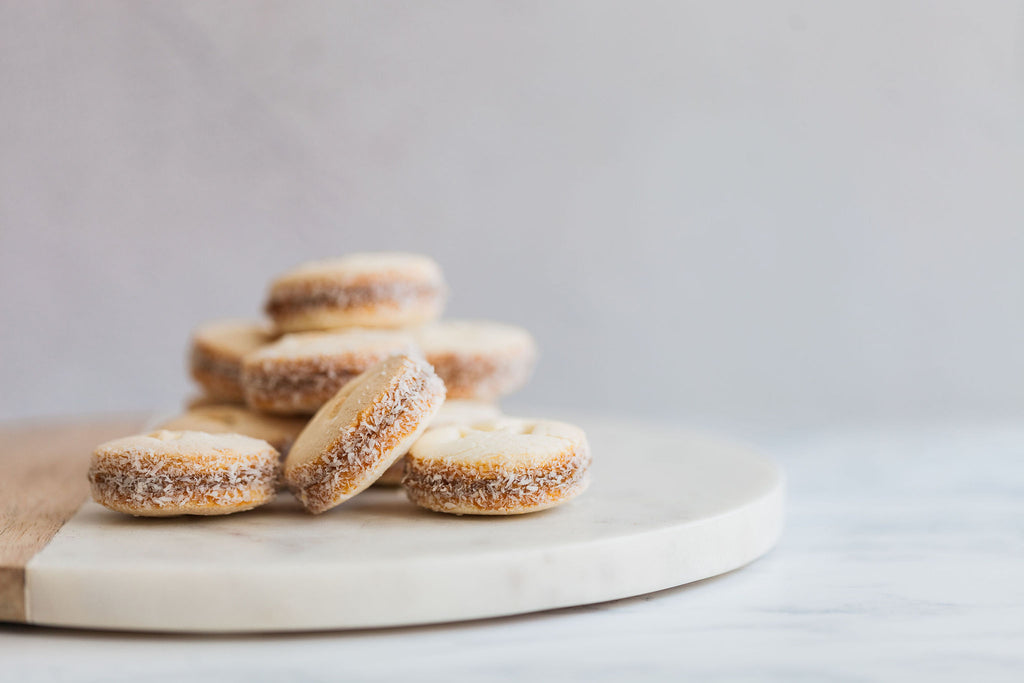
902	559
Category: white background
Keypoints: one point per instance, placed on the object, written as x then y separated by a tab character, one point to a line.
786	212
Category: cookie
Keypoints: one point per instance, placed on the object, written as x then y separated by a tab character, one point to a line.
168	473
360	432
203	400
299	372
215	358
507	466
278	431
478	359
365	290
453	412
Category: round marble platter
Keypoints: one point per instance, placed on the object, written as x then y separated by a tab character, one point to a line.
665	508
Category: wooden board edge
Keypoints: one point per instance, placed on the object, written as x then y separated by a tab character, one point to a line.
43	467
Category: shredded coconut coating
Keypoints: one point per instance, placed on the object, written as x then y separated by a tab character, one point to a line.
170	473
362	431
479	359
301	372
484	476
372	290
215	356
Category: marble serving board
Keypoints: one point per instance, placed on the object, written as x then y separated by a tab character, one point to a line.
665	508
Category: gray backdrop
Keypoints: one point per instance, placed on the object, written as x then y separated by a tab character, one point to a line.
784	212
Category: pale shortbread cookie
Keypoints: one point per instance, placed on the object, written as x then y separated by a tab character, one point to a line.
280	432
507	466
299	372
216	353
457	411
477	358
366	290
360	432
168	473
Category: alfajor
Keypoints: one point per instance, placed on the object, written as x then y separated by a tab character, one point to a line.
215	356
299	372
169	473
477	358
506	466
361	431
366	290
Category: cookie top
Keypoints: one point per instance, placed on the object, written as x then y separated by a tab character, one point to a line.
506	442
311	345
231	338
235	419
473	337
456	411
184	444
367	400
361	269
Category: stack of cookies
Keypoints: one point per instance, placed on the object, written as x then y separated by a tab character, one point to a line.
354	381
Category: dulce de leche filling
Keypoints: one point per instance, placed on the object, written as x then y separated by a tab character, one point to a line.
444	486
396	293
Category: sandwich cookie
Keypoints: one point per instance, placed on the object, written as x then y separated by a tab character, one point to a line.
478	359
170	473
503	467
215	358
299	372
360	432
453	412
365	290
276	430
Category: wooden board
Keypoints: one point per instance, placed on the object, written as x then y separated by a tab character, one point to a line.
666	508
42	484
